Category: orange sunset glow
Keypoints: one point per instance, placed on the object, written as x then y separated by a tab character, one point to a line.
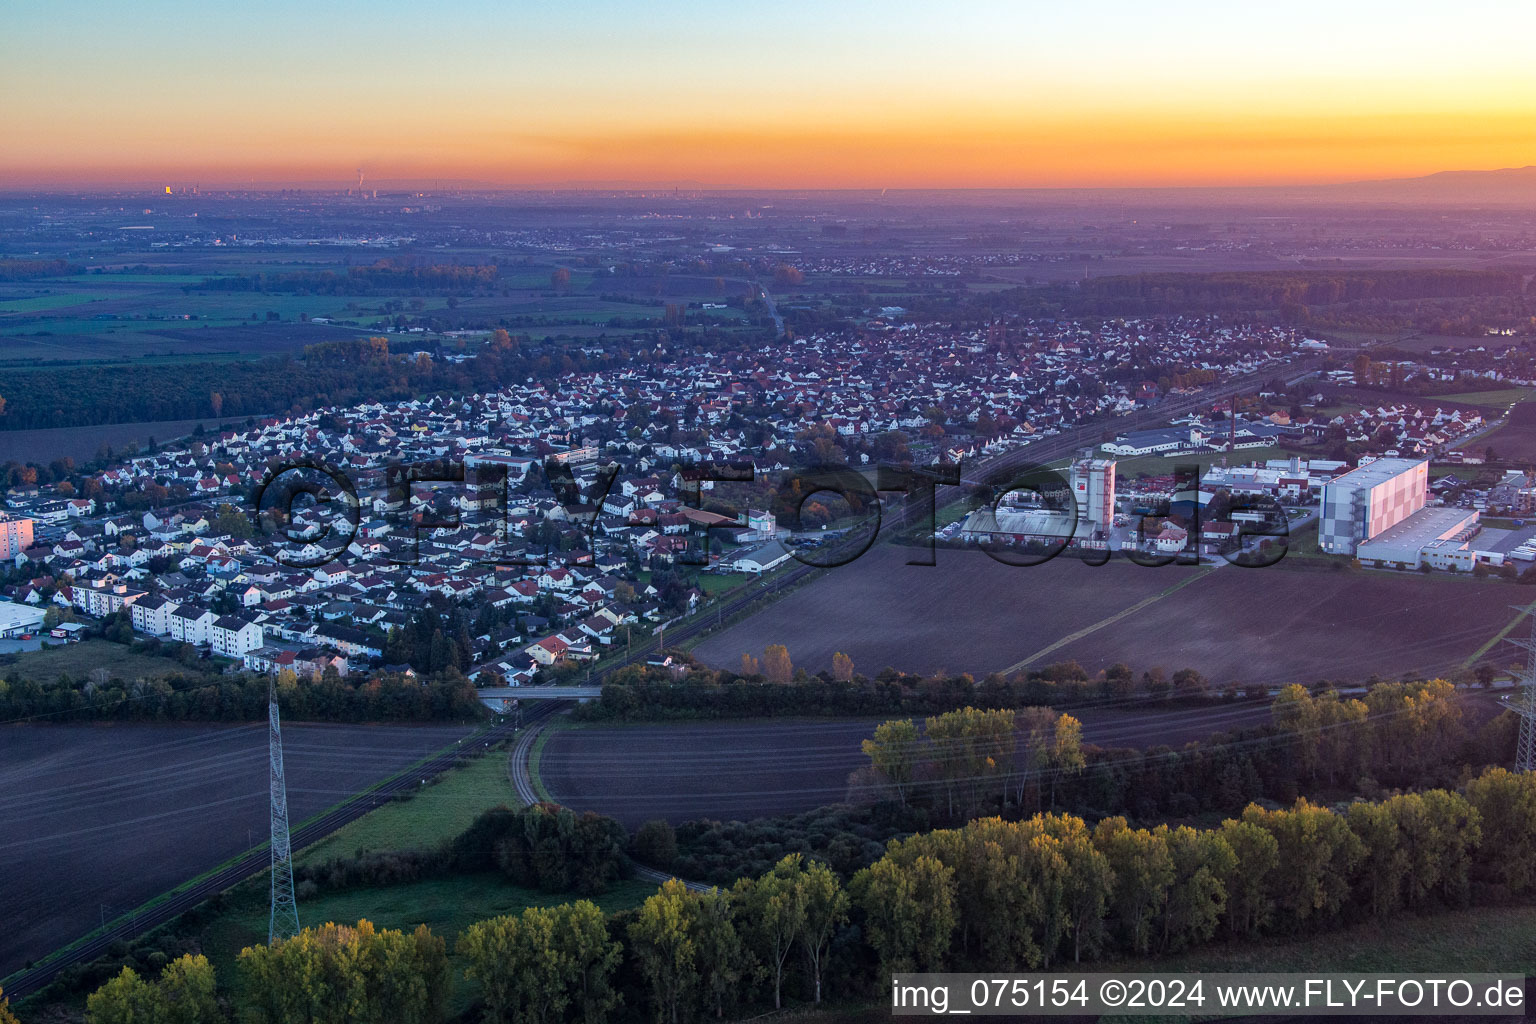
794	96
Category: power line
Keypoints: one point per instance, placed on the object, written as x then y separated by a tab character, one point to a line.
1525	707
284	920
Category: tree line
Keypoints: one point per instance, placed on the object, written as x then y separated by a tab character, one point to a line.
990	895
997	760
187	697
384	276
29	270
772	686
961	764
281	385
1289	292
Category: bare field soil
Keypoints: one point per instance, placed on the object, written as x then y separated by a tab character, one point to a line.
1274	625
749	769
97	340
1515	442
81	443
108	816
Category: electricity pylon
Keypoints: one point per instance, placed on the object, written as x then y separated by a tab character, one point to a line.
1524	703
284	922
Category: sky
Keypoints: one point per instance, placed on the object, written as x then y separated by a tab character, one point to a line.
826	94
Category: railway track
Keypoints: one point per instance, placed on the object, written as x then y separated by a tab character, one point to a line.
521	774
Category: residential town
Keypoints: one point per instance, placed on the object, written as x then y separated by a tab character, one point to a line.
556	570
575	519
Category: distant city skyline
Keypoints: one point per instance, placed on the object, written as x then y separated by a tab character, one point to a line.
862	95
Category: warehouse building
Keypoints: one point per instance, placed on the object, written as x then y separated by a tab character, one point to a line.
19	619
1369	500
1438	537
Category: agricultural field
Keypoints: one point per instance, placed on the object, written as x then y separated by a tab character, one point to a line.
1286	623
45	444
754	768
119	316
1515	441
126	812
1497	400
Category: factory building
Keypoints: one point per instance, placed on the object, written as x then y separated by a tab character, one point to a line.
1093	488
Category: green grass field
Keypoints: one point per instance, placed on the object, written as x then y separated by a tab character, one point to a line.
56	300
80	659
437	813
1488	399
1499	941
714	582
1496	940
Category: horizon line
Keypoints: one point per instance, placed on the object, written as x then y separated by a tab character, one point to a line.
432	183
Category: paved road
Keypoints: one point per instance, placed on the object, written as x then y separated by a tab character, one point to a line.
538	693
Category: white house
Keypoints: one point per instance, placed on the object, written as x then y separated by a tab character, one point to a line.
152	615
232	636
191	624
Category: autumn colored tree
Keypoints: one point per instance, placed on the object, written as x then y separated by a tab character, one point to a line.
777	668
1385	864
785	275
1039	727
1294	712
1197	897
749	666
126	999
1439	831
1055	751
842	667
1088	882
560	279
1066	751
1317	859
